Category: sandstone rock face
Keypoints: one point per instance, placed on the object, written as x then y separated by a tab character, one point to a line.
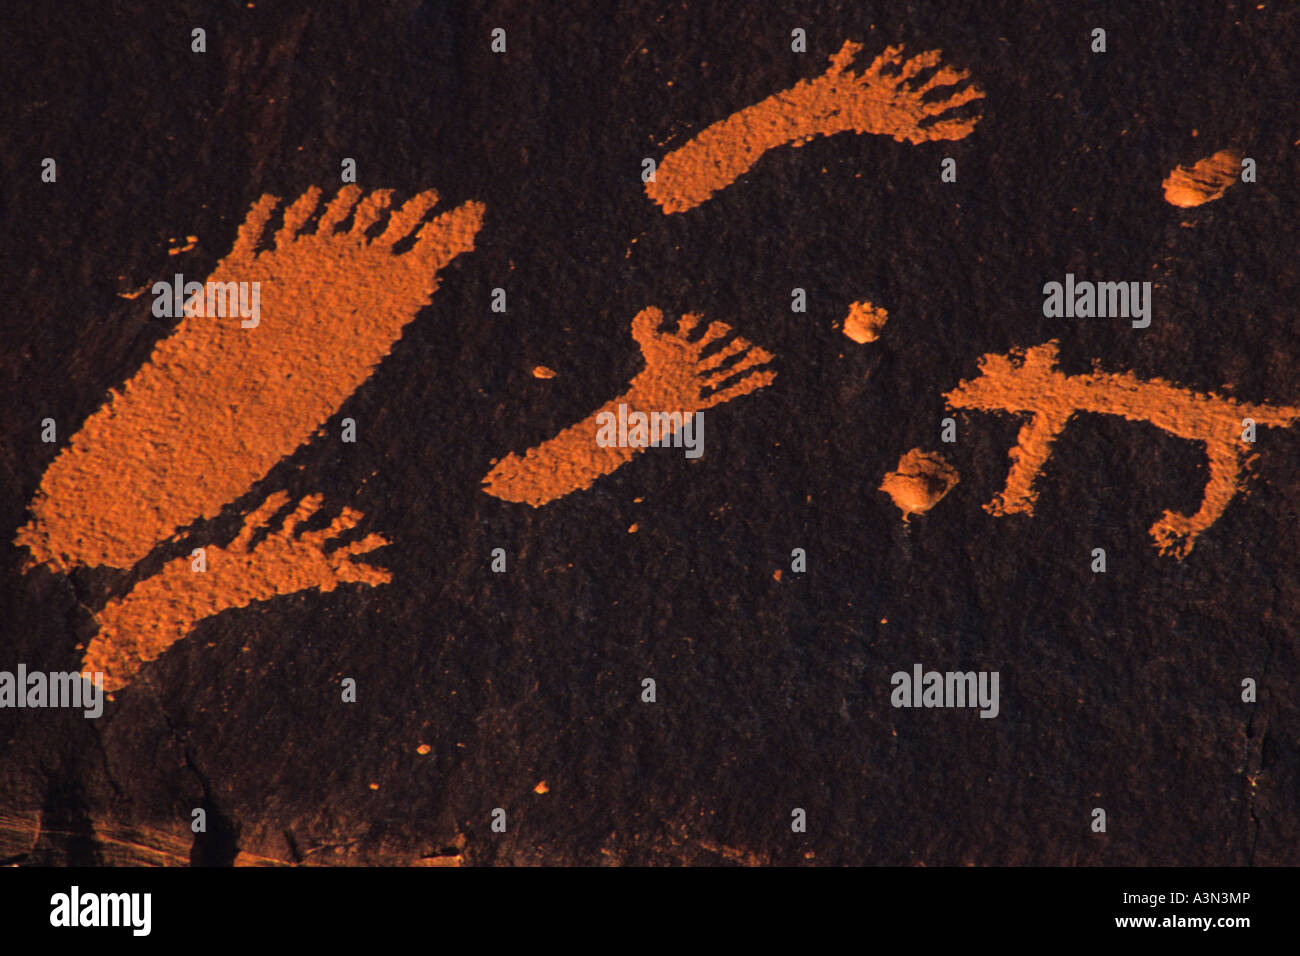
383	654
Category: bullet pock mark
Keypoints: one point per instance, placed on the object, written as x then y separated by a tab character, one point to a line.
1204	181
919	482
864	322
217	405
888	98
1029	382
678	376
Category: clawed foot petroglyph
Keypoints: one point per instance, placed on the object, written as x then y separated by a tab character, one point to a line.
162	609
678	377
218	405
893	97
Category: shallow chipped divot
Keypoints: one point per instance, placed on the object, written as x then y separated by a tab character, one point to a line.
919	482
864	322
1204	181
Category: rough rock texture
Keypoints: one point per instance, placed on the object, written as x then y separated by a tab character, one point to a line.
1119	690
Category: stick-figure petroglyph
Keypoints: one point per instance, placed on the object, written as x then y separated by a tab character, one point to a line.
1029	382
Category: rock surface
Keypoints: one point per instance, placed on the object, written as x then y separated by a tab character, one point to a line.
1120	690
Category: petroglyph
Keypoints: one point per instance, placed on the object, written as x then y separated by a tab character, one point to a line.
217	405
891	97
864	322
162	609
677	376
1029	382
220	402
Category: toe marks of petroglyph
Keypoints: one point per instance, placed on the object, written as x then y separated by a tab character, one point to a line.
916	108
684	374
293	559
436	241
911	100
262	562
689	372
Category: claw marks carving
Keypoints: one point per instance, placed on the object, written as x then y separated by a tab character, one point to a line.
217	405
1030	382
678	374
888	98
162	609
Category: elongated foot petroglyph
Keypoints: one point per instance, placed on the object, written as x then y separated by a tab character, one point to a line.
891	97
678	376
218	404
162	609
